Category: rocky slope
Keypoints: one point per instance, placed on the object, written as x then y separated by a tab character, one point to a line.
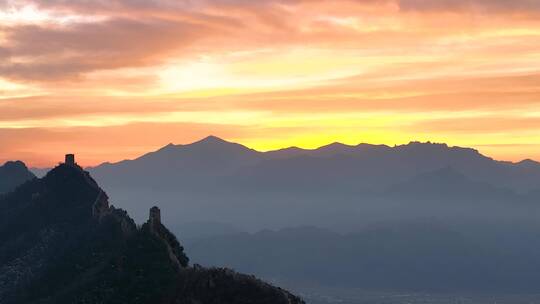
61	242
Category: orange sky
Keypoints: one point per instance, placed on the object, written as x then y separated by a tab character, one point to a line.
113	79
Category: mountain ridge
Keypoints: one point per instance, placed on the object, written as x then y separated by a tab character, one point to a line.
62	242
239	183
212	141
294	151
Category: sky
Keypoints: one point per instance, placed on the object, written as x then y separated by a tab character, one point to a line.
114	79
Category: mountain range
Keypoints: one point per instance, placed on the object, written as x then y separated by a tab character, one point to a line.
364	165
421	217
429	256
216	181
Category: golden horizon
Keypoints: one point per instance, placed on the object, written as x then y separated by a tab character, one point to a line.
118	79
87	163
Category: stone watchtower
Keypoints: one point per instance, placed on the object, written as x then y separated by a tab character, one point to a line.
155	216
70	159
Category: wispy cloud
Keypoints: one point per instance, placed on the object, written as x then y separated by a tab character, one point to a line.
384	71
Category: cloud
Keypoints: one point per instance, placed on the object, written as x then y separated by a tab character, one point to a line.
480	125
148	33
38	52
108	35
350	95
93	6
92	148
408	95
341	69
484	5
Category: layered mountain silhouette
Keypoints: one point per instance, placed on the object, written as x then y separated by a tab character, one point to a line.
213	180
449	183
13	174
368	165
420	217
401	256
61	242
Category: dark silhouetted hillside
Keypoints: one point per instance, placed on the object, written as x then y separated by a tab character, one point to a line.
61	242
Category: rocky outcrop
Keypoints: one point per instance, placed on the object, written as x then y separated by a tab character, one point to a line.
174	250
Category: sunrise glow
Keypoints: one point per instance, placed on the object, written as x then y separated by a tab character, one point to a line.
111	80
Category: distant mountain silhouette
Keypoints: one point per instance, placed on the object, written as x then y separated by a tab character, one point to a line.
213	180
410	256
204	229
61	242
13	174
361	209
210	156
381	164
448	183
212	149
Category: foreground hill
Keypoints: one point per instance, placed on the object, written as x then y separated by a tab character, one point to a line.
61	242
13	174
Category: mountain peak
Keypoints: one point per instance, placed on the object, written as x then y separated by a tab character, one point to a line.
13	174
425	144
335	148
211	139
15	165
528	163
212	144
335	145
73	177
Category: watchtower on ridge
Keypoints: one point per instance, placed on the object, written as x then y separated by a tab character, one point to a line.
155	216
70	160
